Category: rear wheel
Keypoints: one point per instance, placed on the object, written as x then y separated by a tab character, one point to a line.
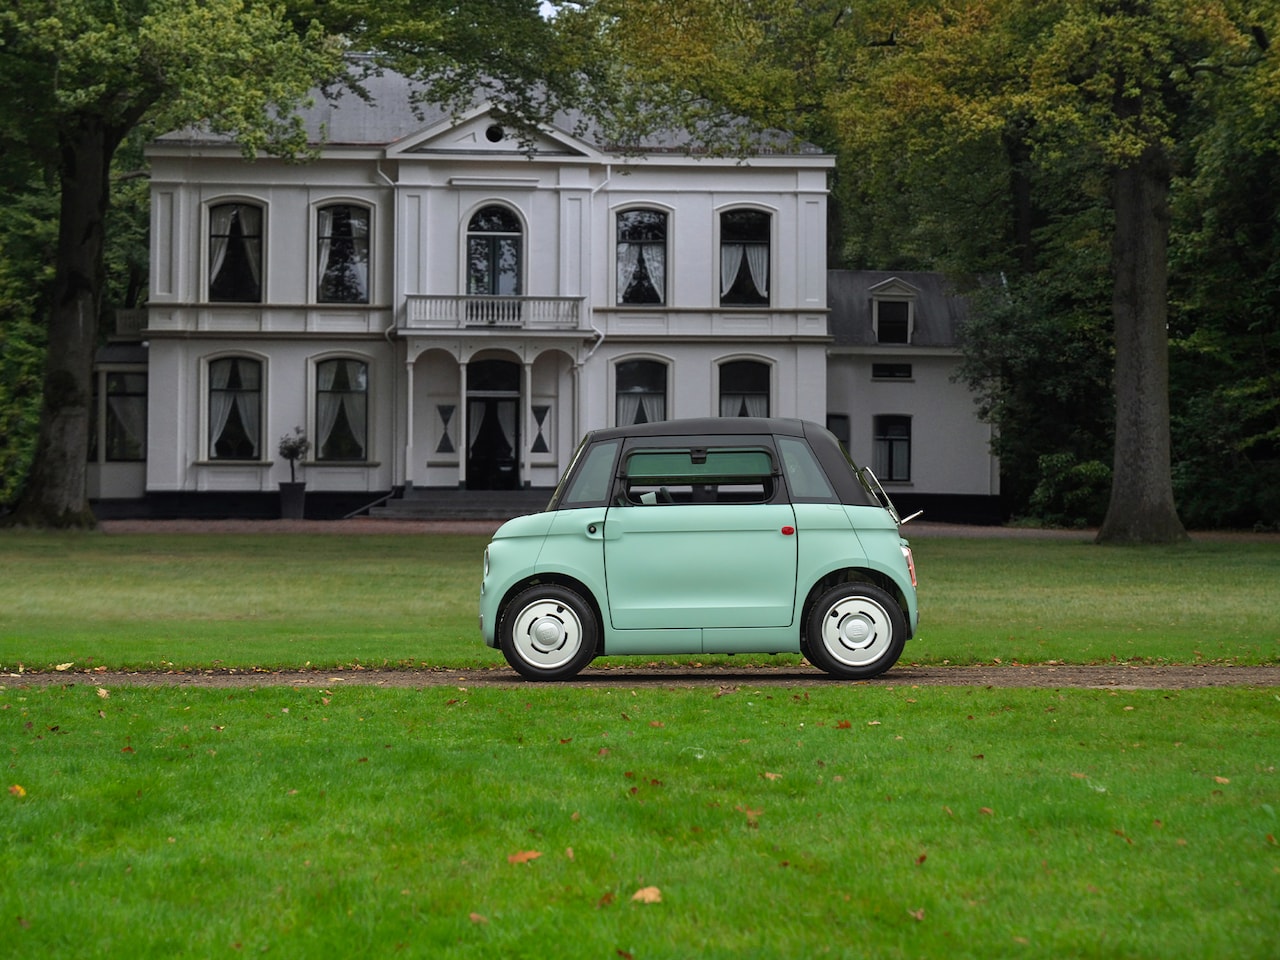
855	631
548	632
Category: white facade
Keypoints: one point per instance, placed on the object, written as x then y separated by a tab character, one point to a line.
556	330
440	305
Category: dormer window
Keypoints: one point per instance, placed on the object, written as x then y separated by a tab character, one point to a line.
893	311
893	321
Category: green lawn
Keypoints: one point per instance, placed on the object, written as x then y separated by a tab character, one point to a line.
289	600
523	821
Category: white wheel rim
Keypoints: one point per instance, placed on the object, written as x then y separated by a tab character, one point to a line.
856	631
547	634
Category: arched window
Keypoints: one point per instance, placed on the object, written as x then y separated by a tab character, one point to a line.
641	392
342	410
494	253
642	257
342	254
235	253
744	389
235	409
744	257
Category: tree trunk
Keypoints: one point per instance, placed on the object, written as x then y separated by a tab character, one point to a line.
1141	509
55	493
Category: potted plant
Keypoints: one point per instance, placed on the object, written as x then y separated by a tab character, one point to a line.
293	447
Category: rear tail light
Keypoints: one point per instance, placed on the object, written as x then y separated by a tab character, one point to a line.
911	564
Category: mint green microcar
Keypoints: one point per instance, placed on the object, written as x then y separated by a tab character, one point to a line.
729	535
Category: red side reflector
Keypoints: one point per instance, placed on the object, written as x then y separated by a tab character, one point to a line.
788	531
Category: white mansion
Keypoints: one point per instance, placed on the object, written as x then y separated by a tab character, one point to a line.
442	307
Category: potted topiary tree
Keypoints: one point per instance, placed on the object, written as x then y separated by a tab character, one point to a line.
293	447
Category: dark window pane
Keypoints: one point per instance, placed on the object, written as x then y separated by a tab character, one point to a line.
235	253
342	409
343	254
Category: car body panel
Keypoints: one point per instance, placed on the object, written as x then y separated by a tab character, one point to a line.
700	565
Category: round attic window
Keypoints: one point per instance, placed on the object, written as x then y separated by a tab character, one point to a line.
494	133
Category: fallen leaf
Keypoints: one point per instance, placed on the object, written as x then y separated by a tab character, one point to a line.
843	725
606	900
478	918
62	667
126	750
1221	780
656	723
921	859
568	852
524	856
772	776
17	791
917	914
647	895
103	692
626	956
987	810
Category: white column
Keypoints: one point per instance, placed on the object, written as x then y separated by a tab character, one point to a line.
408	425
526	416
464	429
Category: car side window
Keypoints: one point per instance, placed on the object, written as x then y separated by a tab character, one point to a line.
804	474
697	475
591	484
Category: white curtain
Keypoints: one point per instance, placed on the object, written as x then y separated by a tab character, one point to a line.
324	226
357	405
219	235
507	421
131	414
757	255
327	402
220	401
628	263
251	227
655	258
730	261
628	407
734	405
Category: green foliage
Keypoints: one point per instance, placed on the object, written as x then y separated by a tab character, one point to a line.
1071	493
28	232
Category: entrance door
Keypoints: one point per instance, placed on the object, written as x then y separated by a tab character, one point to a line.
493	425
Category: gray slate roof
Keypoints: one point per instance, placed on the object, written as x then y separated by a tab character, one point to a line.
395	110
939	310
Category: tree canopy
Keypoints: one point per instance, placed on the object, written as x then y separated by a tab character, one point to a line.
980	138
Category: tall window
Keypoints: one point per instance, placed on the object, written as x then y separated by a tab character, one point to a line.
494	244
235	409
342	410
642	256
893	321
891	447
744	257
744	389
342	254
641	392
235	252
122	420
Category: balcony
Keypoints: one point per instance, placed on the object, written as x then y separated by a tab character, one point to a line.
493	313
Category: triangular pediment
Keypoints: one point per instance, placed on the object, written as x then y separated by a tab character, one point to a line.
478	134
894	287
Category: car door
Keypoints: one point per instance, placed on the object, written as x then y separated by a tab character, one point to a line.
708	553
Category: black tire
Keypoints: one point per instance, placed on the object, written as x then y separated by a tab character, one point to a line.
548	632
856	631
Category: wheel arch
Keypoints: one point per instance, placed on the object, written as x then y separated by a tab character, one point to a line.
559	580
853	575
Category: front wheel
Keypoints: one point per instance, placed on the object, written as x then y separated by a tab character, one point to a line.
856	631
548	632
